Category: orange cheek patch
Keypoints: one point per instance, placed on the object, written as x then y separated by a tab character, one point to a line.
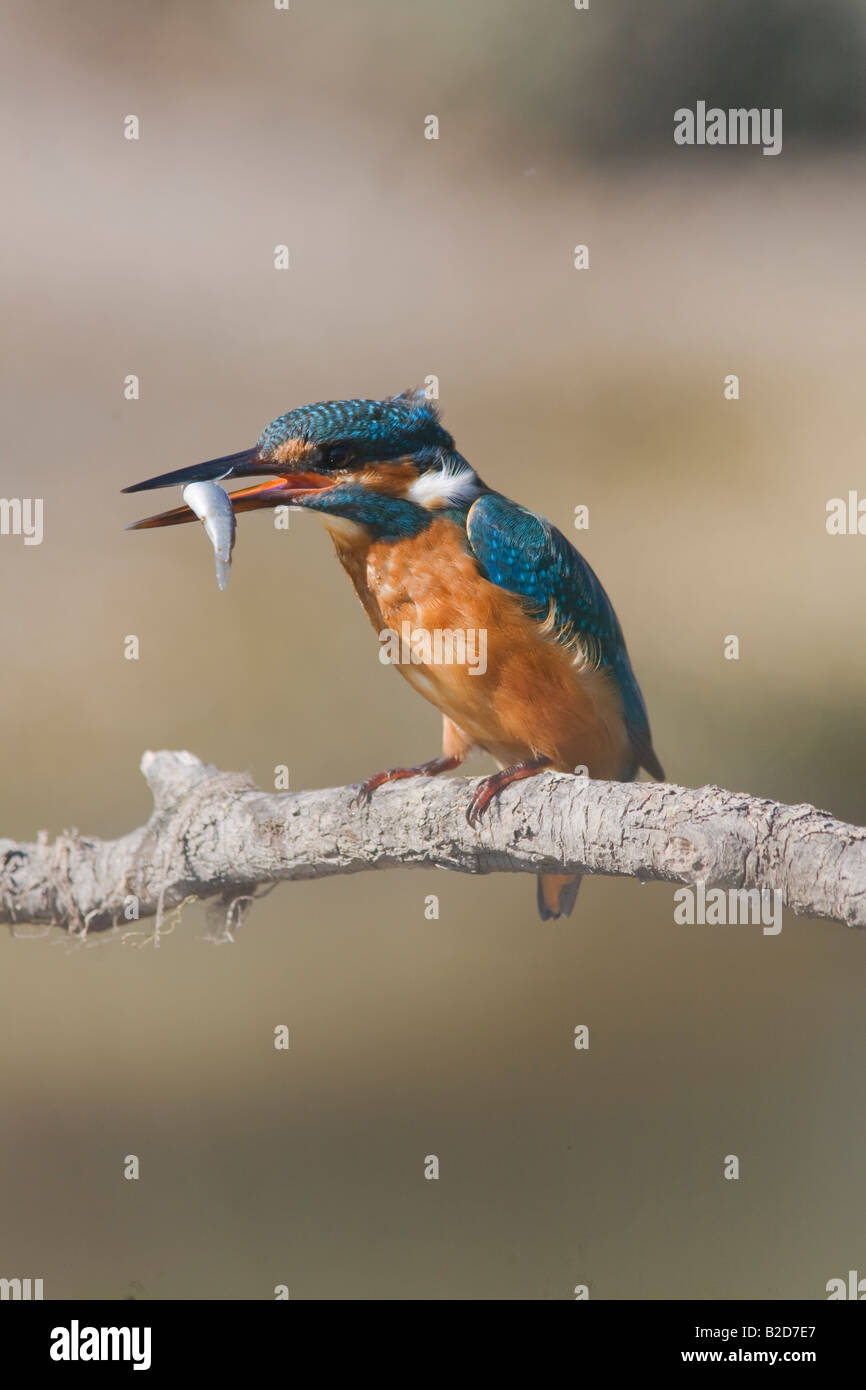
292	451
392	479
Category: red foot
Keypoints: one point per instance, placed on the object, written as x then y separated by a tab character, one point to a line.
398	774
492	786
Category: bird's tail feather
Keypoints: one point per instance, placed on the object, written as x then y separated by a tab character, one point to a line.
556	895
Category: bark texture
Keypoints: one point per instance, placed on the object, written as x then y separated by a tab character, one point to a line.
216	835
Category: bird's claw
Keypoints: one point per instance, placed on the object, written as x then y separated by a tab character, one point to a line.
364	794
490	787
477	806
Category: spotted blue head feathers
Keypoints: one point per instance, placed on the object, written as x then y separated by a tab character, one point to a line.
372	431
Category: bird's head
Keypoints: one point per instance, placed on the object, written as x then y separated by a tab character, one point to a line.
337	457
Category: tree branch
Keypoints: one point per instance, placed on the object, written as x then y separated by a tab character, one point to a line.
216	834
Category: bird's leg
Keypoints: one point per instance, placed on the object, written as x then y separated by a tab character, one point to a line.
397	774
492	786
456	746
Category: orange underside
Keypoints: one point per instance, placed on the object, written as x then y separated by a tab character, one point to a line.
532	700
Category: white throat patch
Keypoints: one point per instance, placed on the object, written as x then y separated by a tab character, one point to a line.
452	485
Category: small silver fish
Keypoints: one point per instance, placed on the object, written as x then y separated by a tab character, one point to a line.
211	502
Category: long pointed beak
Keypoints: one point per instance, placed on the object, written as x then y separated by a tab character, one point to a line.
285	488
241	465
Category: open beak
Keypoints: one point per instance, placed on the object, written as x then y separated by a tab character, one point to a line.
284	489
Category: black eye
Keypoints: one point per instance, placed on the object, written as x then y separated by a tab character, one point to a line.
339	455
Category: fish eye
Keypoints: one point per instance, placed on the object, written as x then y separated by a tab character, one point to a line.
339	455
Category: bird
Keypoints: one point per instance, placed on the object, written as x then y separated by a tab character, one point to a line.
430	550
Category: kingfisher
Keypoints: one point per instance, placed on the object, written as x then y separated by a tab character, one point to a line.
432	550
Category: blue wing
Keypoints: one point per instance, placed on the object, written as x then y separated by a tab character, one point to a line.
523	553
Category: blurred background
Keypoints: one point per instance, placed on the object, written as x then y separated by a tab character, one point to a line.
412	257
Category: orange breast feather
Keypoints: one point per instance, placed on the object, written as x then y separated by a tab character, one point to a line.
521	695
